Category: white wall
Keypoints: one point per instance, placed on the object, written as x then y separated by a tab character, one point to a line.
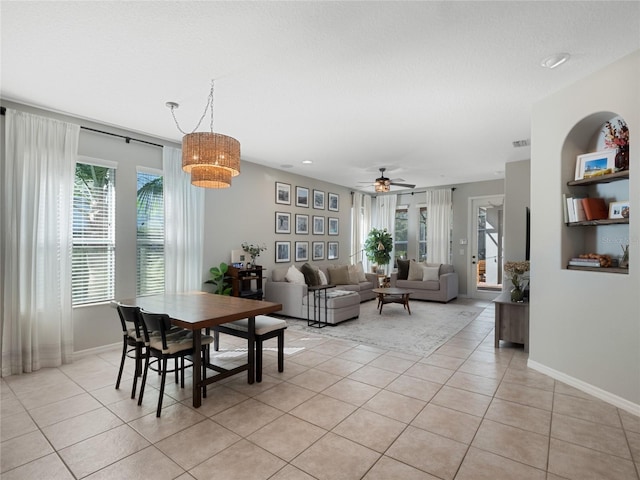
516	199
584	326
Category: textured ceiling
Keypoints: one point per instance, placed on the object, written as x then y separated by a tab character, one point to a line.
434	91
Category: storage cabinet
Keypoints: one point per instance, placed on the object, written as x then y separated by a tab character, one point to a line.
246	282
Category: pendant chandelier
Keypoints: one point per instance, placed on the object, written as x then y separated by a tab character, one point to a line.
211	158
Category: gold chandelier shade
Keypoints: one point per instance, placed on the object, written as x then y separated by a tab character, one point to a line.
210	149
210	176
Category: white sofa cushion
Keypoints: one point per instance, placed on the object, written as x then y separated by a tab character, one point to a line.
415	271
294	276
431	273
323	278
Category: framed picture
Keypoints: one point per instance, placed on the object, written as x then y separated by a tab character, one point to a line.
302	224
318	225
595	164
302	197
318	250
318	199
619	209
283	222
302	251
283	252
334	202
332	250
283	193
333	226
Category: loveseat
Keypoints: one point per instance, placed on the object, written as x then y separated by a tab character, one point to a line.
429	281
292	292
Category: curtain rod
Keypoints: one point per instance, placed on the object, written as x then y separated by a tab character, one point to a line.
3	111
453	189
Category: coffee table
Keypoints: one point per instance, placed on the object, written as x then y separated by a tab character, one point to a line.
393	295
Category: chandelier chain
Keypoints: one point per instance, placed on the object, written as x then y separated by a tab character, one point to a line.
209	104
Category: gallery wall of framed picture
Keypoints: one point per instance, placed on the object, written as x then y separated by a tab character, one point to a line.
303	217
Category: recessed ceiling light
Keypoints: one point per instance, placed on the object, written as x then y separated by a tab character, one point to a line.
556	60
307	162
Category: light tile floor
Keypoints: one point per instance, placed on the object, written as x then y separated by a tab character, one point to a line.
339	411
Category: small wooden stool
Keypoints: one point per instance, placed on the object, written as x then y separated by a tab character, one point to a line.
266	328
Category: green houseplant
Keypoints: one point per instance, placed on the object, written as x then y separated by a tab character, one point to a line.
378	246
218	279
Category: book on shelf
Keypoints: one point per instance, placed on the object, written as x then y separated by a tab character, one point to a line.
595	208
584	262
574	209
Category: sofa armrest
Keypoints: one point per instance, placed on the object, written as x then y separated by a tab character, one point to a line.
373	279
449	285
290	295
392	279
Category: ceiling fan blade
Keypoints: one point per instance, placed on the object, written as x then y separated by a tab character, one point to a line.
407	185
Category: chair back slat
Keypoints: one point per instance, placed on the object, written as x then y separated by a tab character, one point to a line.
156	322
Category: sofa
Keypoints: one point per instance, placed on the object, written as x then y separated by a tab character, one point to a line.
428	281
292	291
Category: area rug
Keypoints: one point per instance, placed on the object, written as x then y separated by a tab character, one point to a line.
428	327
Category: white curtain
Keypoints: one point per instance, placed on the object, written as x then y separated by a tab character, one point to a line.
184	226
38	172
438	226
386	217
360	226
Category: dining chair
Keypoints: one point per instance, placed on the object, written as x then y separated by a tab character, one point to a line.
266	328
163	344
132	341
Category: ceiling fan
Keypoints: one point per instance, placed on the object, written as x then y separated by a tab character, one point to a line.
383	184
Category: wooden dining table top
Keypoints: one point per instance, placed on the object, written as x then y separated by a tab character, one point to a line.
196	310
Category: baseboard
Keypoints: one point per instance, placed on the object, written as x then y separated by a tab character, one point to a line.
608	397
95	351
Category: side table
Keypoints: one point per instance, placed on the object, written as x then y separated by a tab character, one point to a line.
512	321
317	306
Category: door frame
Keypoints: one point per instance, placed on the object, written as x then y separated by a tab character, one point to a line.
472	234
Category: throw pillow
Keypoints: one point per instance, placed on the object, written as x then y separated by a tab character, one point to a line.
323	278
403	269
430	273
361	276
311	276
294	276
415	271
339	275
354	275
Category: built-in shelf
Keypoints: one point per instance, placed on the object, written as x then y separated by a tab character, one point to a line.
599	269
612	177
604	221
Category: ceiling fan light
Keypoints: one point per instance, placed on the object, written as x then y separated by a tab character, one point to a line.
382	187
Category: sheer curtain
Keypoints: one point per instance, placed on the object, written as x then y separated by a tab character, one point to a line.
386	217
184	226
360	226
38	172
438	226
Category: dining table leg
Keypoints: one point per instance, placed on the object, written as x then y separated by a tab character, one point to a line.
251	349
197	365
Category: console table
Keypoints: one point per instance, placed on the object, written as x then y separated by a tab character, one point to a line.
512	321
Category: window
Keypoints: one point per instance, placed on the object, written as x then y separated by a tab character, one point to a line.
422	234
93	255
401	240
150	234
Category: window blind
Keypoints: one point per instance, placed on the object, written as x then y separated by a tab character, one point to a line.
150	234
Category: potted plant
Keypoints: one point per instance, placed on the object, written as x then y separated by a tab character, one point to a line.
253	251
378	246
218	279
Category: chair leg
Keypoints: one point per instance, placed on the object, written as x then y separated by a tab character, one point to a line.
181	372
124	356
281	351
164	377
205	354
144	376
258	359
216	339
138	370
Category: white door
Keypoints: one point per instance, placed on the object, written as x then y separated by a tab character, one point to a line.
485	226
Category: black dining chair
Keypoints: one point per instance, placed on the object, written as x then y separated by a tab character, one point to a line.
132	341
164	344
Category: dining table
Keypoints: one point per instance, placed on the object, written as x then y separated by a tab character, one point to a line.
197	310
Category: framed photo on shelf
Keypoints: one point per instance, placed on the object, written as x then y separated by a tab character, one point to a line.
619	209
318	225
595	164
283	193
302	251
283	252
302	197
318	250
333	226
332	250
302	224
333	202
318	199
283	222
